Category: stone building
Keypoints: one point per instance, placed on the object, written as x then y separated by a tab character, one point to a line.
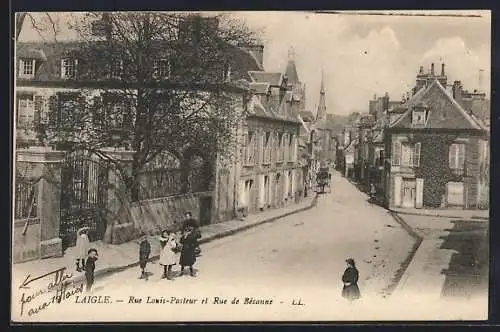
436	151
58	191
266	173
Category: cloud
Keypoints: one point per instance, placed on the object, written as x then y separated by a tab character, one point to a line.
462	63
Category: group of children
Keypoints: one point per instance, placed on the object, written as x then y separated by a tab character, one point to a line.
176	248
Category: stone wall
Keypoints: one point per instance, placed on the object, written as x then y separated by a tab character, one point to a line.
152	216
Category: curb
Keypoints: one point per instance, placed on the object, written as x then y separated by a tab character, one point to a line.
438	215
113	269
406	263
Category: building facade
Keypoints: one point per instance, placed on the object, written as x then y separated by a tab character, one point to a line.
266	172
435	152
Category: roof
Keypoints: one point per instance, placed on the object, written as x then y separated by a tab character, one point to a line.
444	111
306	115
27	52
272	109
259	88
291	72
52	52
379	136
274	79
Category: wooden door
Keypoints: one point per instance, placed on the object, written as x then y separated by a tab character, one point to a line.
409	193
455	193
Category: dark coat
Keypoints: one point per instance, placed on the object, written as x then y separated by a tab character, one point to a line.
189	243
90	265
189	222
144	249
350	280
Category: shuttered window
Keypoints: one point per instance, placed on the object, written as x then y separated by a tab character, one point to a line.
25	110
457	156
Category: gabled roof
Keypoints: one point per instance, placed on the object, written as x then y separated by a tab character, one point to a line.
272	110
274	79
259	88
444	111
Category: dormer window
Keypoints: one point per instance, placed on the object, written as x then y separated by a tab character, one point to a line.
69	68
419	117
27	68
161	68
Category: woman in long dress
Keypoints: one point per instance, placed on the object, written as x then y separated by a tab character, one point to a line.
189	242
350	278
168	255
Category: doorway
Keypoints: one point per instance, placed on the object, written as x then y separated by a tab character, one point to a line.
409	193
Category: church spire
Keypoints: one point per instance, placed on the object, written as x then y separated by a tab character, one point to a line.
291	69
321	114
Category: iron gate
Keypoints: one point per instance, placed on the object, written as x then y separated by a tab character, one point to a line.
84	182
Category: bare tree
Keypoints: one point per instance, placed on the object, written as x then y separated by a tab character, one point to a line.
165	87
43	23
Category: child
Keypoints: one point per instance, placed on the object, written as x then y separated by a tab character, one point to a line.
82	247
90	267
144	252
169	254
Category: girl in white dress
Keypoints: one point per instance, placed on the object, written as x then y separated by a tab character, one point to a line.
169	254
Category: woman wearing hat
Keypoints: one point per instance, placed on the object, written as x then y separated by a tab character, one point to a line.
350	280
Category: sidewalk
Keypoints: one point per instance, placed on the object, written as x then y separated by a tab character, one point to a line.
433	261
115	258
445	213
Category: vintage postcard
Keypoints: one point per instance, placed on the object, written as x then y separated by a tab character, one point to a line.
251	166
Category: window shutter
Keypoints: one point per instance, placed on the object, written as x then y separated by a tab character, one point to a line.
460	156
419	193
38	110
97	111
416	160
396	154
63	70
451	156
53	115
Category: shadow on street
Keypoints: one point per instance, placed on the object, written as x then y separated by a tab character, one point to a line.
467	274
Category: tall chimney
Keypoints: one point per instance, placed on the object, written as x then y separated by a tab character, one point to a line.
421	71
432	68
442	70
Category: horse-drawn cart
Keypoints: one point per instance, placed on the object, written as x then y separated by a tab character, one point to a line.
323	178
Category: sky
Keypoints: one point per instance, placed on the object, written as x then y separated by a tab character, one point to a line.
363	55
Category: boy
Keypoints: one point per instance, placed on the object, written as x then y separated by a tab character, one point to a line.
90	267
144	252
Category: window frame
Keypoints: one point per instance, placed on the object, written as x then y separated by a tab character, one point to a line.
157	68
66	68
22	68
25	123
116	64
459	149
